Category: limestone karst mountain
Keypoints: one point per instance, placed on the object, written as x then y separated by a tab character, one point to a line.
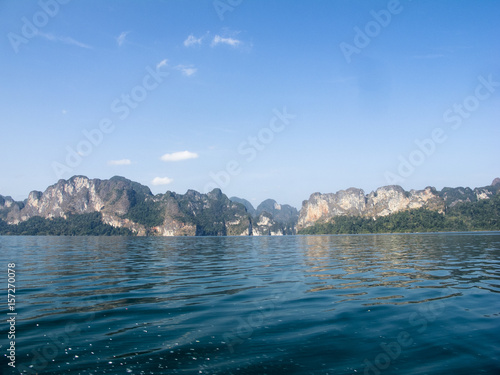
385	201
270	217
122	203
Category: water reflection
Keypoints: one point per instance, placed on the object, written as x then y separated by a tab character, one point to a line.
304	304
430	261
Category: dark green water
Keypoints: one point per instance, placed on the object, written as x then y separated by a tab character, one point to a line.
374	304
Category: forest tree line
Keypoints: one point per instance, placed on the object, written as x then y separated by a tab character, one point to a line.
467	216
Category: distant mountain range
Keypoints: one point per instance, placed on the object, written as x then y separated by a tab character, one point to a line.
270	217
81	205
387	200
121	203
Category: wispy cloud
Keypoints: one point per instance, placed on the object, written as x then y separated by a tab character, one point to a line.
225	37
163	62
229	41
161	181
63	39
191	40
187	70
121	38
179	156
120	162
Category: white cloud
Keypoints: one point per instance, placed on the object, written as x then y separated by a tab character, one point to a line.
163	62
191	41
63	39
178	156
229	41
120	162
161	181
187	70
121	38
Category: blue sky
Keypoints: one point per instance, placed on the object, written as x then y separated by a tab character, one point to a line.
265	99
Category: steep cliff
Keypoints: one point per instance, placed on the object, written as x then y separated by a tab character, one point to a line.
244	202
385	201
453	196
127	204
211	214
9	207
81	195
130	206
270	218
282	213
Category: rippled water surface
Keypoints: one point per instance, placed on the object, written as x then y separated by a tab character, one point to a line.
374	304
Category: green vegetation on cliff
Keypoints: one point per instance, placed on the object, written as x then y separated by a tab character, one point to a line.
75	225
143	210
469	216
212	213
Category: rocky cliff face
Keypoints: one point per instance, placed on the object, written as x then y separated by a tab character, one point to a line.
244	202
196	214
280	212
80	195
9	208
453	196
385	201
271	218
128	204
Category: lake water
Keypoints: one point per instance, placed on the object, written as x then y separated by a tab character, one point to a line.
366	304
